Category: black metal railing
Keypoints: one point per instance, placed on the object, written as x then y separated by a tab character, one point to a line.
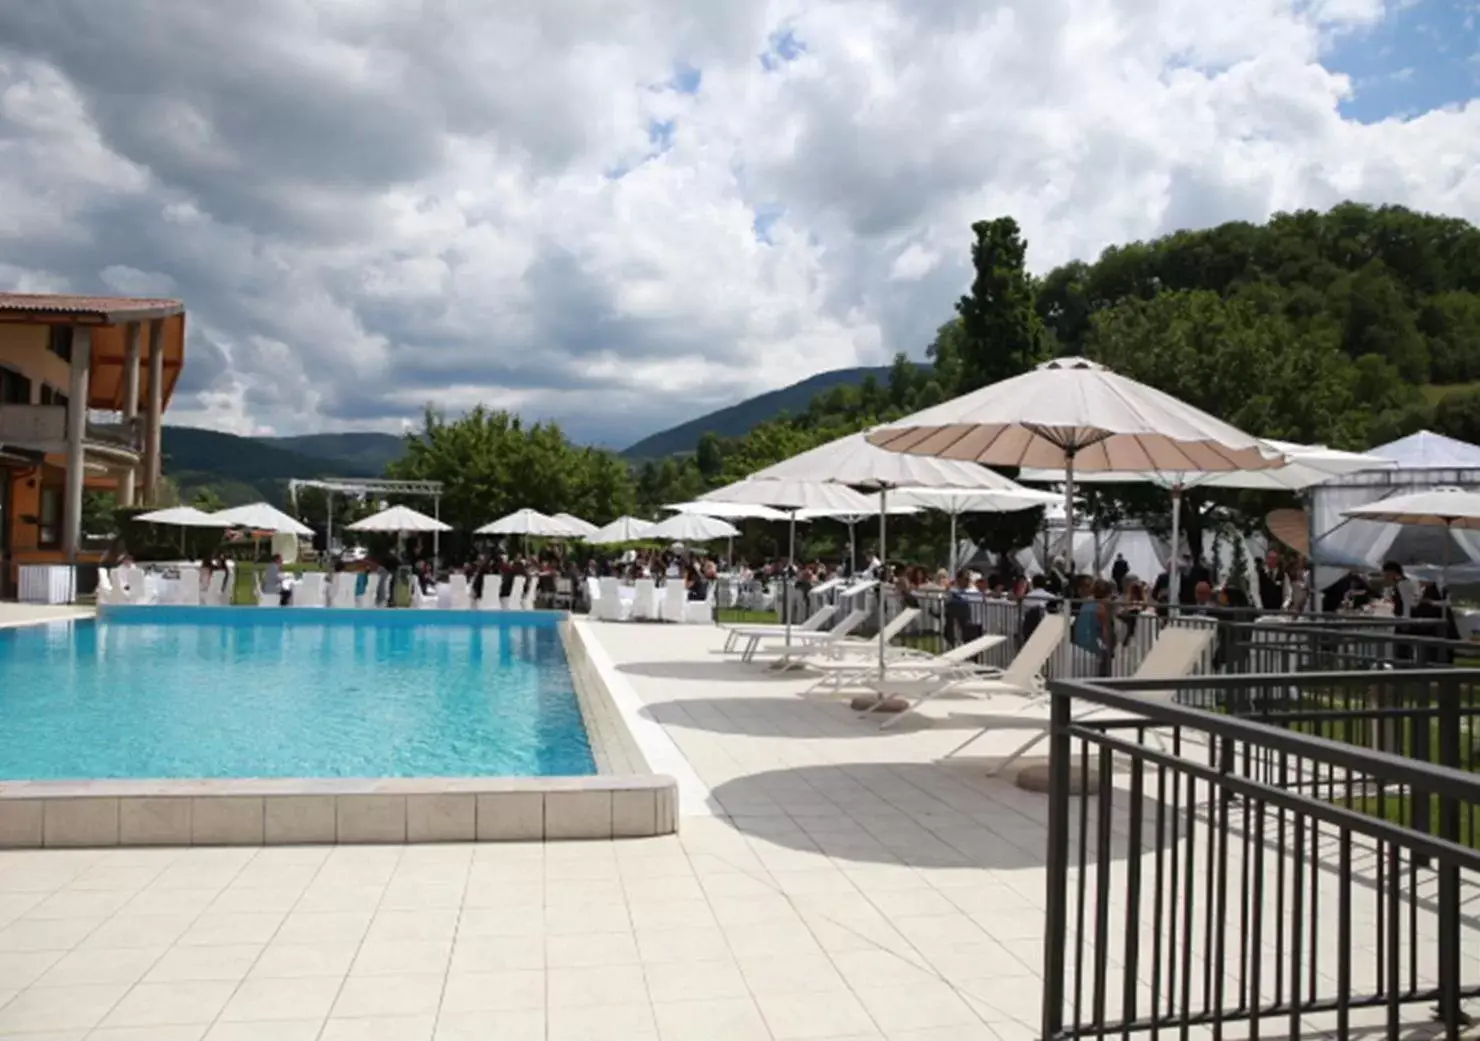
1300	849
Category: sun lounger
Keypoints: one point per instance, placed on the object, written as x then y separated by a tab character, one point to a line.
1021	677
813	623
1178	652
853	648
809	639
903	663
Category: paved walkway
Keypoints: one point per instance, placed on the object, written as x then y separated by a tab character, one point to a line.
26	614
830	884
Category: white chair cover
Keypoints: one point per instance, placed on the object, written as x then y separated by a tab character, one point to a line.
645	600
459	596
675	599
515	600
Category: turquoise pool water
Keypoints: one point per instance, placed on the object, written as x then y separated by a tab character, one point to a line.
166	692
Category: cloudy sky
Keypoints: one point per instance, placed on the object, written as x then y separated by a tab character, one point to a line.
622	213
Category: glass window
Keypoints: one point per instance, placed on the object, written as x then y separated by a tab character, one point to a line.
49	534
60	341
15	389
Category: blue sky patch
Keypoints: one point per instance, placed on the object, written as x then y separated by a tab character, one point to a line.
781	48
686	79
1424	55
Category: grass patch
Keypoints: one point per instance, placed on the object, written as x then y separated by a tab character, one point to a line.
1434	393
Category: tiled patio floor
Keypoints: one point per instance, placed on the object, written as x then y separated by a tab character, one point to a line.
829	884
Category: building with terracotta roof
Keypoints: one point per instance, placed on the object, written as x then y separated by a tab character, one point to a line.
84	383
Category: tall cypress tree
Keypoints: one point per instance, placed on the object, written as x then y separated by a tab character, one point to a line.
1002	334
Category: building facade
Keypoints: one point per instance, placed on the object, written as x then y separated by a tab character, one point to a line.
84	383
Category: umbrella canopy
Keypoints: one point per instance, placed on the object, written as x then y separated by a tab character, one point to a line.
853	461
576	527
692	527
399	519
1076	414
1436	508
525	522
623	529
957	501
728	510
791	495
181	517
1306	466
259	516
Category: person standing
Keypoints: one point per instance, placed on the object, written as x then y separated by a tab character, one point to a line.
1271	582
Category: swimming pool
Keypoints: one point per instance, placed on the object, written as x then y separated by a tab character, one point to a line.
175	693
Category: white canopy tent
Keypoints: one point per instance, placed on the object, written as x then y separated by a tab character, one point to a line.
623	529
182	517
1420	462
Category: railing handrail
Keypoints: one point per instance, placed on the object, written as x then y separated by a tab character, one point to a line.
1441	780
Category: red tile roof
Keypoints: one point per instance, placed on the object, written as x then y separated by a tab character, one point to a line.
106	308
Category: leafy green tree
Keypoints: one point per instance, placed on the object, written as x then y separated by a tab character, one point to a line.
1451	323
1002	335
1458	415
207	500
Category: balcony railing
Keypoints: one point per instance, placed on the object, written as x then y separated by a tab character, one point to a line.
46	426
1305	853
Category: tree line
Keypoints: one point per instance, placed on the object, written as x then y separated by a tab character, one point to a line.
1331	328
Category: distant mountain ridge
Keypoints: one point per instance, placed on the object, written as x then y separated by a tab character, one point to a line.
245	469
739	419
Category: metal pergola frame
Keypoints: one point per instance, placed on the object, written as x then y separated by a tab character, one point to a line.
370	486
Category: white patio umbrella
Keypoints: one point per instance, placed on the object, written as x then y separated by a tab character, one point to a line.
1077	416
259	516
576	527
853	460
1305	467
956	501
1436	508
893	508
399	520
728	510
181	517
623	529
692	527
524	522
791	496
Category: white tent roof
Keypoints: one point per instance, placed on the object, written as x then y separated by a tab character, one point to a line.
259	516
691	527
181	517
730	510
794	495
1427	450
399	519
623	529
525	522
575	526
853	461
1108	421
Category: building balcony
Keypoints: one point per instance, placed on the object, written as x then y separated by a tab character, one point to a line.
43	428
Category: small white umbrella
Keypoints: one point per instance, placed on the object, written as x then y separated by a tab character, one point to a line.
691	527
524	522
623	529
1448	508
576	528
259	516
893	508
956	501
399	520
181	517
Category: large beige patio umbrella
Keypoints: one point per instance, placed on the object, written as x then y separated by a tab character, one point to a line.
1075	415
1435	508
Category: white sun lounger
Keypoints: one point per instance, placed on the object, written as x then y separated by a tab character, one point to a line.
902	662
852	649
1020	677
813	623
809	639
1178	651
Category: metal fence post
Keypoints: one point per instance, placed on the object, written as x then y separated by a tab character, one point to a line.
1056	924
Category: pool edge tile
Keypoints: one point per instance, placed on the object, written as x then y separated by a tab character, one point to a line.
80	822
442	817
370	818
296	820
21	823
164	821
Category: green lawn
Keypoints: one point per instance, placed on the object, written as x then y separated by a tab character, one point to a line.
1436	392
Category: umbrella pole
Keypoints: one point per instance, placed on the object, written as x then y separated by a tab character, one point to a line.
852	547
1069	511
952	556
791	563
883	563
1172	575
